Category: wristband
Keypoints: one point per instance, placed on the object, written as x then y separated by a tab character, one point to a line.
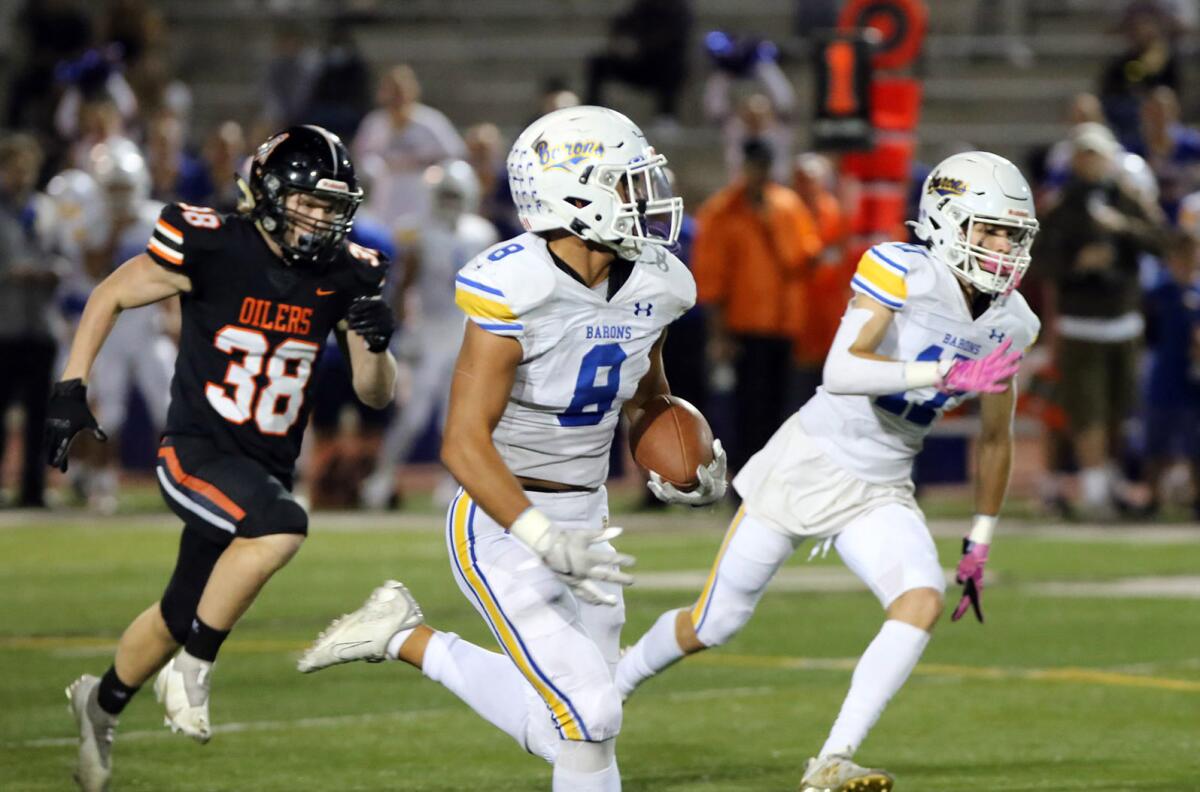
926	374
982	528
530	526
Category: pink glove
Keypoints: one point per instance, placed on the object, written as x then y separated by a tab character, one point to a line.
988	374
970	575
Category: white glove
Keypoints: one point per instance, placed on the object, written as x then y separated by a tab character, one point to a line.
710	489
575	555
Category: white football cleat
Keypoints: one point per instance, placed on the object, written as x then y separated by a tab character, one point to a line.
182	688
94	764
837	773
364	633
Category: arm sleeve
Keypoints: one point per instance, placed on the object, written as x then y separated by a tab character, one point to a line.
881	277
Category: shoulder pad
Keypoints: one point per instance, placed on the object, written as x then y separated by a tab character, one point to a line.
886	272
182	230
516	274
367	267
678	285
1021	321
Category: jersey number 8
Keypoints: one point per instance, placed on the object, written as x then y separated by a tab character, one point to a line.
288	371
597	385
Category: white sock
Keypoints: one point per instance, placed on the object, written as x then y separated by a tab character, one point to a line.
653	652
488	682
587	767
393	648
881	671
1095	485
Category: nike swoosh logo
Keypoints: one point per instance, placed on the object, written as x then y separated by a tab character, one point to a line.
339	649
326	292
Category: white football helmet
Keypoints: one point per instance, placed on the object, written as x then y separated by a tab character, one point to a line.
978	187
454	188
590	171
120	169
80	212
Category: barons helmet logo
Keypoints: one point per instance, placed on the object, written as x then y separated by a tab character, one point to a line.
944	185
564	155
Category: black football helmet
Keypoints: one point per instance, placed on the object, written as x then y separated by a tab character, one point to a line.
311	160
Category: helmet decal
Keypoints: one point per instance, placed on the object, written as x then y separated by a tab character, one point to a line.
565	154
264	151
590	171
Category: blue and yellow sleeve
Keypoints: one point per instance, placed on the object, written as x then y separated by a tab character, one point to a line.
881	277
486	306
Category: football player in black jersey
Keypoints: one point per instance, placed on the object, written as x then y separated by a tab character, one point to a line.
260	292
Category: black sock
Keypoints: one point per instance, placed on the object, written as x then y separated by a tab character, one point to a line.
203	641
113	694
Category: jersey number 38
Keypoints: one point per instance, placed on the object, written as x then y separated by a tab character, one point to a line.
274	407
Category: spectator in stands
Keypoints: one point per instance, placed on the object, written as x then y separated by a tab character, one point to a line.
828	286
341	91
648	49
764	114
175	175
288	84
555	95
28	277
397	141
139	30
1083	108
486	152
755	243
1172	398
1170	148
1149	60
1089	248
224	154
97	104
53	31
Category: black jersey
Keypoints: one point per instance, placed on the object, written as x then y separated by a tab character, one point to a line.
253	329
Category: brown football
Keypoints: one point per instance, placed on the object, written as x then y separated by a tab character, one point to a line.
672	438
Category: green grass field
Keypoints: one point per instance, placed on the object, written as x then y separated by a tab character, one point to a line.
1091	684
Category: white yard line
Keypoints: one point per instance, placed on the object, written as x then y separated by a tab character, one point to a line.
825	579
431	522
334	721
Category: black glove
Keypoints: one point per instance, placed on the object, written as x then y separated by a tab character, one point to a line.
67	415
372	319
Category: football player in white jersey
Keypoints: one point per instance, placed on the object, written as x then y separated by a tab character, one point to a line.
565	332
451	235
139	352
929	326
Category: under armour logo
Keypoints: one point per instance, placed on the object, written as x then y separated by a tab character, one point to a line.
996	335
637	308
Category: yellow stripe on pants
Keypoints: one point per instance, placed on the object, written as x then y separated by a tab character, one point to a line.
508	639
698	610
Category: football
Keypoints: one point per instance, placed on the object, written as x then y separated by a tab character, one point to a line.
672	439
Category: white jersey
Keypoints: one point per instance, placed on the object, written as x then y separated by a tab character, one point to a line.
876	437
584	355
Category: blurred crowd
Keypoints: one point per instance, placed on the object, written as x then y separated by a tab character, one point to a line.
99	134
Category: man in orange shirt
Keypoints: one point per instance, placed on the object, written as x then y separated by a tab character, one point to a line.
755	243
827	289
